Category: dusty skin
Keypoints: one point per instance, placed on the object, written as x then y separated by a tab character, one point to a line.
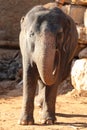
71	112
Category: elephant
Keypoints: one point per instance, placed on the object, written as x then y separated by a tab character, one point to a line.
48	42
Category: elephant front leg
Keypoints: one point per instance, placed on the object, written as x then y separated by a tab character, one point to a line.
29	87
48	110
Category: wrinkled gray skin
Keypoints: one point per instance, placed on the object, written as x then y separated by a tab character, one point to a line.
48	39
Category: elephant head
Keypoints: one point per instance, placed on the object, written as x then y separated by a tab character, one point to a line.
49	38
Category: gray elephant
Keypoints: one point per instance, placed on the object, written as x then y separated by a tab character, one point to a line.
48	41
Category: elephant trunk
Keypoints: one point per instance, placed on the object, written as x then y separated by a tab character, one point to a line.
49	69
47	63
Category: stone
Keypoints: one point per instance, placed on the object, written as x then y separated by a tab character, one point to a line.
10	63
11	12
85	18
78	2
79	75
80	20
83	53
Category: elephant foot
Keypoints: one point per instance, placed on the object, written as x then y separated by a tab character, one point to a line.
26	121
47	121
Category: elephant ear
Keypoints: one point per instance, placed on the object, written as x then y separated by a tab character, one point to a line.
70	39
27	20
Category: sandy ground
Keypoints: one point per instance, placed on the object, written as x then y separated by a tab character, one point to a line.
71	112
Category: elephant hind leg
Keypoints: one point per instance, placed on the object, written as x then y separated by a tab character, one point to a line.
40	94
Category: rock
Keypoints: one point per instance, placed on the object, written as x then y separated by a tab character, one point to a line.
10	63
11	12
78	2
65	86
79	75
75	11
9	44
2	34
83	53
50	5
5	86
82	35
80	20
85	18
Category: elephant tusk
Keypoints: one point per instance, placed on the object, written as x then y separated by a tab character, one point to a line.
54	71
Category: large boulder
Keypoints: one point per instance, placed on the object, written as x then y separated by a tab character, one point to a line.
78	2
79	75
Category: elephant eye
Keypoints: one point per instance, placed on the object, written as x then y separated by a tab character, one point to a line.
59	32
31	34
59	39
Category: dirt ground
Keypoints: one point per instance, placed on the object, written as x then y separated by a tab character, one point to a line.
71	112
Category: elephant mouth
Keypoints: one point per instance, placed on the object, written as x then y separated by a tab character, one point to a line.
56	62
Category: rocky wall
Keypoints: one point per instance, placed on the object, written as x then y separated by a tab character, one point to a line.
11	12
